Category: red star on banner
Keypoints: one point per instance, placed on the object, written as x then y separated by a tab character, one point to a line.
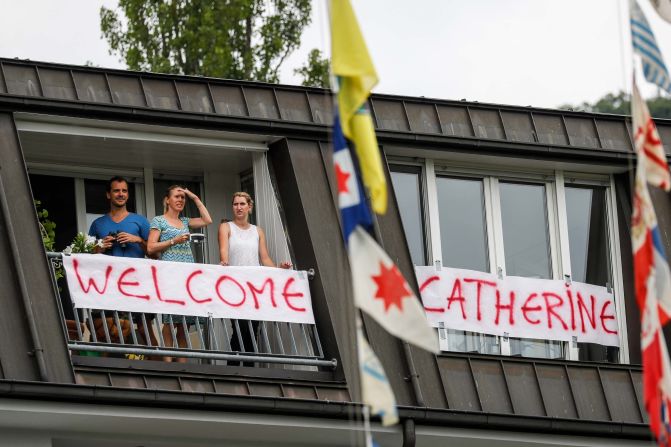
342	177
391	287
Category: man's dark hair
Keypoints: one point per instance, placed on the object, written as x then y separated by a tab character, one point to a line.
116	178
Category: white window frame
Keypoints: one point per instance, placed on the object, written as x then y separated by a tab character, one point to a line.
554	182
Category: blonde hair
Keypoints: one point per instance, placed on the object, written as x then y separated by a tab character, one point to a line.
167	196
245	196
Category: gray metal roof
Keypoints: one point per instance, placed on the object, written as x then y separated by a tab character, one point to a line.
573	390
405	115
470	383
260	382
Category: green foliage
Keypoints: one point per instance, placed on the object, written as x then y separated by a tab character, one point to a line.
620	104
48	232
47	226
238	39
316	71
660	107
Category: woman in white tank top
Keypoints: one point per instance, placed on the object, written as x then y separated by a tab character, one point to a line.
241	243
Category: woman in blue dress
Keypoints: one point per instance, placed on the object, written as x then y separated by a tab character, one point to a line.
169	240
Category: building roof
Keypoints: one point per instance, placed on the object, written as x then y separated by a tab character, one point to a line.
462	389
399	118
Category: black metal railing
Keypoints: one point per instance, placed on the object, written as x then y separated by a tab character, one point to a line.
154	336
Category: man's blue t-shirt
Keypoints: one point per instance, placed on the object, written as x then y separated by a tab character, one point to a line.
133	224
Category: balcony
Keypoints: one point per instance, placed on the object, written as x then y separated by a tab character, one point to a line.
214	341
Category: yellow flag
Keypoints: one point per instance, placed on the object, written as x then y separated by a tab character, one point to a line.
356	74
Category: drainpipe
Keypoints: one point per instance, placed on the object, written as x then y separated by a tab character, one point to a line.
414	375
409	435
25	298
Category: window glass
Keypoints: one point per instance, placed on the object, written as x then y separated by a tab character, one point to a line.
531	347
463	341
526	243
463	239
463	232
409	198
588	234
590	253
525	230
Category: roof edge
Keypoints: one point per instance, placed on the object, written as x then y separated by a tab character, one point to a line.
88	394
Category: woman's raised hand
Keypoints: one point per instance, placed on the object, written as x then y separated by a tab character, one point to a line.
285	265
189	194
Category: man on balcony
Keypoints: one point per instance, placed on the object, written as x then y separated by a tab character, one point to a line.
123	234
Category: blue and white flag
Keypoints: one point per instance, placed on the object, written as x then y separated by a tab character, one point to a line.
375	388
351	201
644	43
380	289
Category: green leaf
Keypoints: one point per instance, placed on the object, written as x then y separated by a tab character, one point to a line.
236	39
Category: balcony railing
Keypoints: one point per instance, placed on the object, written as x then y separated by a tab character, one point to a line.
141	336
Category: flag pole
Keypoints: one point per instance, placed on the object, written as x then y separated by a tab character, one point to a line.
357	392
378	286
407	352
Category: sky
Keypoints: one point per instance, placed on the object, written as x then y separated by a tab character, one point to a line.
542	53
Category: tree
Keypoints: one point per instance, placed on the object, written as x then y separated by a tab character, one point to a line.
620	104
316	71
238	39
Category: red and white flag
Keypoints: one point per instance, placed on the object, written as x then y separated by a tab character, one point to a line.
648	143
381	291
651	271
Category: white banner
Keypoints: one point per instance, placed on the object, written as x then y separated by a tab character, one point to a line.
145	285
520	307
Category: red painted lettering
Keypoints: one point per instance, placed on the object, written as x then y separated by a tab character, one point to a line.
526	309
480	283
154	276
254	291
509	307
91	281
569	295
242	289
581	307
428	281
121	283
457	295
286	295
604	317
550	308
188	288
424	285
